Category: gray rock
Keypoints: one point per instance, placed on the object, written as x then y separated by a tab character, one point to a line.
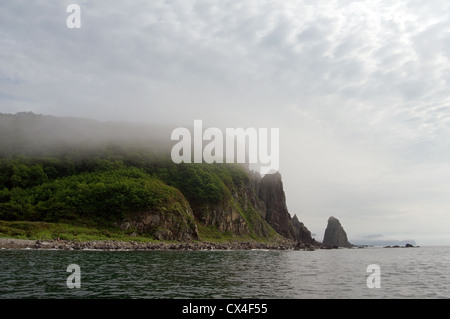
335	235
301	233
272	194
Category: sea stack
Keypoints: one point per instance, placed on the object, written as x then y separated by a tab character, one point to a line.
335	235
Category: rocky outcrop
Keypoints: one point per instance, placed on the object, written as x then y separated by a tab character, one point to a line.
335	235
272	194
301	233
243	213
276	214
172	220
257	207
224	217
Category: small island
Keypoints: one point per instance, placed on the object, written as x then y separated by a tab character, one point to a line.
335	235
398	246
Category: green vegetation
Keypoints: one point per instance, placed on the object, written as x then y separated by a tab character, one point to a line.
49	231
104	195
85	196
212	234
201	183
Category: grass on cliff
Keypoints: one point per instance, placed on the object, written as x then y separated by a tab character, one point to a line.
49	231
212	234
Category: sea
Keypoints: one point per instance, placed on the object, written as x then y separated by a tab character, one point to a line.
374	272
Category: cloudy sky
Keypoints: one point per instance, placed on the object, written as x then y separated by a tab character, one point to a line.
359	89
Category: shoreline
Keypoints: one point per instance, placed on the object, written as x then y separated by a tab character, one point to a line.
114	245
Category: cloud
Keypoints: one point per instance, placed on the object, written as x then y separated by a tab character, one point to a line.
374	236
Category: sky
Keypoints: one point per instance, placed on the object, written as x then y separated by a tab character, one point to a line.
358	89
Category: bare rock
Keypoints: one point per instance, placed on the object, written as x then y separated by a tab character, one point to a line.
335	235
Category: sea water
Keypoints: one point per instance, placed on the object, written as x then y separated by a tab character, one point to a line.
422	272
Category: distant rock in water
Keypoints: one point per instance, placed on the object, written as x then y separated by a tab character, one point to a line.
335	235
382	242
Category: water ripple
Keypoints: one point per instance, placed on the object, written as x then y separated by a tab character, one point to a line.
405	273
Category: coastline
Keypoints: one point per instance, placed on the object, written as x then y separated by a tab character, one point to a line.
113	245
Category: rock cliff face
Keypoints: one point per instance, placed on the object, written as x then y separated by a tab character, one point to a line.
172	226
302	234
335	235
257	207
276	213
243	213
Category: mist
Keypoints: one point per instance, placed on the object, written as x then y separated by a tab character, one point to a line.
40	135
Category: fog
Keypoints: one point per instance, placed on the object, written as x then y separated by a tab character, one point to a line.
37	134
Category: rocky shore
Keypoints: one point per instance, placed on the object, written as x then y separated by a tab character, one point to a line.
10	243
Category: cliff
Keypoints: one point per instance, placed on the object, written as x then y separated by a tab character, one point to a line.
335	235
112	182
302	234
275	212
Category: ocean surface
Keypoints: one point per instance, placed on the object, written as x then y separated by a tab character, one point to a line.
422	272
